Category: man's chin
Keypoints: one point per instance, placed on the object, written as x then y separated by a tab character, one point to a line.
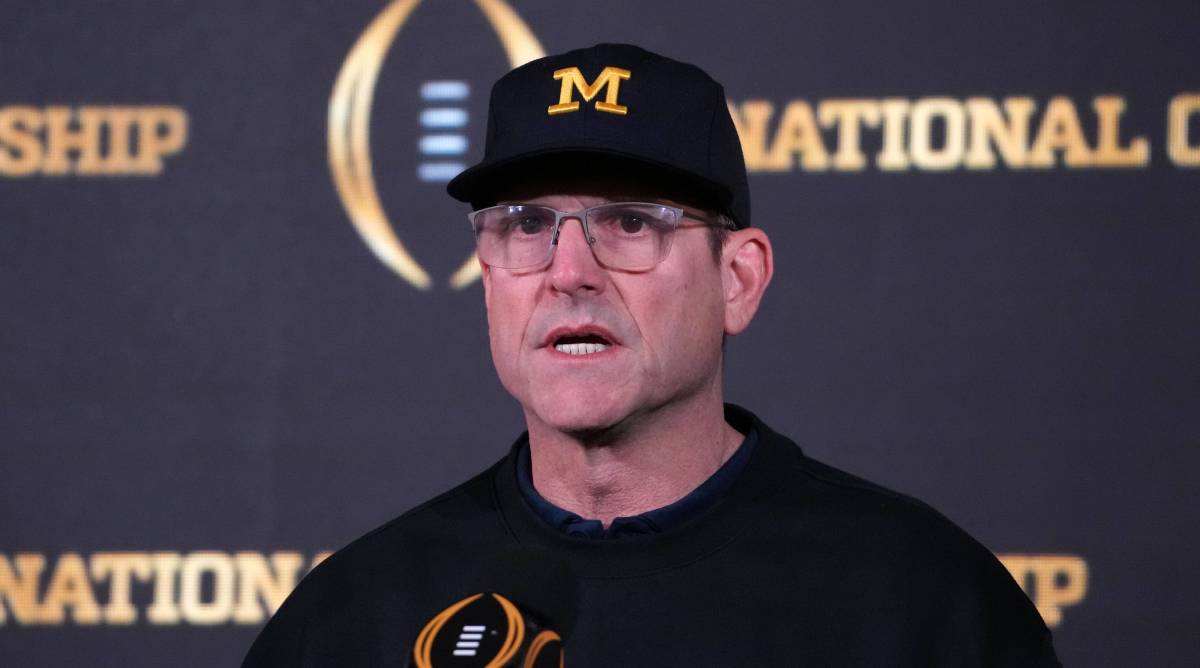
581	419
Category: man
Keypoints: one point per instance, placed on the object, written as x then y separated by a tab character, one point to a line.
612	218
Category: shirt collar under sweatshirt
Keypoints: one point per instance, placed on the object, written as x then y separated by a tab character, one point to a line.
652	521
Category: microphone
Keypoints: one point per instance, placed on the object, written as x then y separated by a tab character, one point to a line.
526	604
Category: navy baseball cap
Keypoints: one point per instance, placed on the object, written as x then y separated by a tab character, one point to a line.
611	105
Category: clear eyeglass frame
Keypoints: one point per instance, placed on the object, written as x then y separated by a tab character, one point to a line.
631	253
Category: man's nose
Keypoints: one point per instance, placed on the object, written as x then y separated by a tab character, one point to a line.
573	266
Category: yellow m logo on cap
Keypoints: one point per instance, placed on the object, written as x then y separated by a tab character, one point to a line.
572	79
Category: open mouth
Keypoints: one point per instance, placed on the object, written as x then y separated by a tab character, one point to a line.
581	344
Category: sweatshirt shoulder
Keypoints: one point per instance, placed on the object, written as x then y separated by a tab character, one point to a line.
876	512
391	575
903	550
450	522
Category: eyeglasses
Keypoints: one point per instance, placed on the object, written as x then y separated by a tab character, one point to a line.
629	236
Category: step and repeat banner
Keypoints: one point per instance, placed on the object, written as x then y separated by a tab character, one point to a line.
241	322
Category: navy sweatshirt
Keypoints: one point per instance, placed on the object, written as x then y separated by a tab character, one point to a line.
796	564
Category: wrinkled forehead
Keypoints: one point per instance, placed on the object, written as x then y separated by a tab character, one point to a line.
598	179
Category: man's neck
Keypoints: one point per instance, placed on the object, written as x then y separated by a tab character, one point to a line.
649	463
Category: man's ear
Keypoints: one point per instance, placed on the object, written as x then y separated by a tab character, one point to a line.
747	264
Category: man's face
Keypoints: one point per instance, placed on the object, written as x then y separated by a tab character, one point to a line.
663	327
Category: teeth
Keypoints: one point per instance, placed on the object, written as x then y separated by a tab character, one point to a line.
580	348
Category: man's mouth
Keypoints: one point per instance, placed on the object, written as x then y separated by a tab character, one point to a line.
582	343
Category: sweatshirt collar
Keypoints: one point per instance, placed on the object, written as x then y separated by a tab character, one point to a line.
703	497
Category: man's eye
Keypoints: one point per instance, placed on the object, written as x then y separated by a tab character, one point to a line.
528	225
631	223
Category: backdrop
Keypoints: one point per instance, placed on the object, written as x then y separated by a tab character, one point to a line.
240	327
